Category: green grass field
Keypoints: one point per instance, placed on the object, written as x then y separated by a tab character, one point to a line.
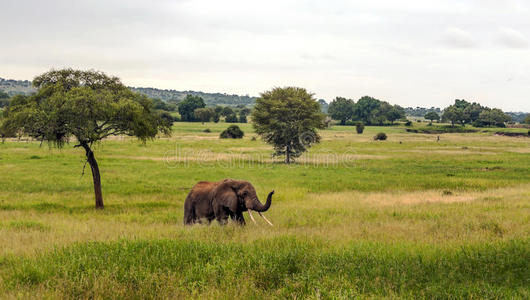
410	217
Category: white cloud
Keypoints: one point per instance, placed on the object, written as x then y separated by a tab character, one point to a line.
385	48
456	37
512	38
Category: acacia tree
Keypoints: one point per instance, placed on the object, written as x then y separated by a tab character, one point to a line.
86	105
288	119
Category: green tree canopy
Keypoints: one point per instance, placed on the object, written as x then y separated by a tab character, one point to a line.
188	106
288	119
365	109
341	109
4	99
204	114
87	106
432	116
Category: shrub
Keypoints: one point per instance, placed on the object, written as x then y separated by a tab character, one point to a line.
408	123
232	132
253	139
359	127
381	136
207	130
232	118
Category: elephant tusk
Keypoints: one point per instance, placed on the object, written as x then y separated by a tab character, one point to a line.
265	219
251	217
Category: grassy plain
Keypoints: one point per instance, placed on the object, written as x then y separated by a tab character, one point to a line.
407	217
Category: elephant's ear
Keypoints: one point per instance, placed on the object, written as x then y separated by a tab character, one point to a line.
226	194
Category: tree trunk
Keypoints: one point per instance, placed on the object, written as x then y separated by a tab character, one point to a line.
96	177
288	155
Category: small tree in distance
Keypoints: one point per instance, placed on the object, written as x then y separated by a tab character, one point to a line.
204	114
288	119
341	109
432	116
88	106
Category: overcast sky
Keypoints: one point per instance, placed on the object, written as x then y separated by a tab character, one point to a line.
411	52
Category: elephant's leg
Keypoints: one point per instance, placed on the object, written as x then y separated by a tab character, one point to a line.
221	215
239	218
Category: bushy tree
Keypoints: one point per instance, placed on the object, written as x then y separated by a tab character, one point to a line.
359	127
232	132
394	113
493	117
364	110
527	119
432	116
324	106
87	106
243	113
232	118
4	99
204	114
453	114
188	106
341	109
227	111
288	119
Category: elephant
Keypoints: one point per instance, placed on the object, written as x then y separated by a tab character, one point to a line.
221	200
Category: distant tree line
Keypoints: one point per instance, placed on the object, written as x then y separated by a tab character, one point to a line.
463	112
4	99
367	110
193	109
209	99
421	111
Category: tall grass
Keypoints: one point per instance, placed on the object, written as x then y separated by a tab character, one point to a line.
411	217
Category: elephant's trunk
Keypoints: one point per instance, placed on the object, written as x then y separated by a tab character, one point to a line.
260	207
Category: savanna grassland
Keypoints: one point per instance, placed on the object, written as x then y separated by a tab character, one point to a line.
410	217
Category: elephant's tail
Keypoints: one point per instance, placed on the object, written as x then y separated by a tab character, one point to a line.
189	212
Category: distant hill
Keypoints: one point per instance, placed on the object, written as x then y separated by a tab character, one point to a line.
24	87
209	98
16	87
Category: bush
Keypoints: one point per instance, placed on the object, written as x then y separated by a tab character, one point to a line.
232	118
232	132
408	123
359	127
207	130
381	136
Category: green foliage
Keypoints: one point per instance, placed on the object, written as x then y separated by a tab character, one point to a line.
324	106
464	112
408	123
204	114
381	136
87	105
341	109
527	119
210	99
288	119
359	127
162	105
284	267
232	118
232	132
187	108
4	99
227	111
364	109
432	116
